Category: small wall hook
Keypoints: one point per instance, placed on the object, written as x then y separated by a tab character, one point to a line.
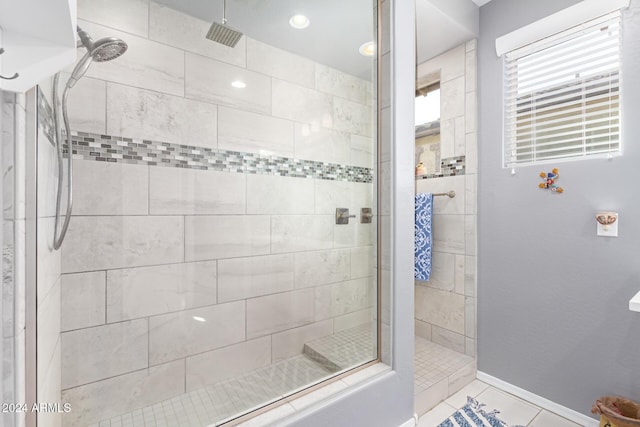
15	76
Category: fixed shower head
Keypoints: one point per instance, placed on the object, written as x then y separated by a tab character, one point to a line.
222	33
102	50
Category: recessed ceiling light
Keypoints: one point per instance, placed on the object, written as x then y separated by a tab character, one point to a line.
239	84
299	22
199	319
367	49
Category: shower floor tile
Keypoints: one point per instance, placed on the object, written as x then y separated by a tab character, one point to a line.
216	403
439	372
344	349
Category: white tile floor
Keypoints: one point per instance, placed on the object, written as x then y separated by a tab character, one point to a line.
513	410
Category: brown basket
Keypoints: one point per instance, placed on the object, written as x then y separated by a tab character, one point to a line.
618	411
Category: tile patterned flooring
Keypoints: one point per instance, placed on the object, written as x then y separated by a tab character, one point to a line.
513	410
214	404
217	403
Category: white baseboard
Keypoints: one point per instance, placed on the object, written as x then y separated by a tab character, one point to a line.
411	422
540	401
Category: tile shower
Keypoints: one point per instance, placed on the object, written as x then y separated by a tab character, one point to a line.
203	246
445	306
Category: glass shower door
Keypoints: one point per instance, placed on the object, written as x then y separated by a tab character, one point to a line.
211	266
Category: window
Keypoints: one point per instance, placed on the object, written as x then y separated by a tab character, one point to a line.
562	95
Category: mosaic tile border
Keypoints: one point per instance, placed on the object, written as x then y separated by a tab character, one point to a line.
116	149
449	166
107	148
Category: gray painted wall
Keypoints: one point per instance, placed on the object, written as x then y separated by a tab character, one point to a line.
553	298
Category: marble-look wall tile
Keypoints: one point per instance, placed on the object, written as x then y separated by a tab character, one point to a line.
272	194
321	267
462	377
87	105
452	99
338	83
102	188
189	332
148	291
209	80
107	242
313	142
342	194
225	236
449	233
459	274
443	204
131	16
267	135
174	28
48	324
354	234
101	352
447	137
323	302
290	343
471	112
144	114
470	234
362	151
249	277
470	317
48	260
470	276
280	64
82	300
178	191
471	189
352	295
302	104
104	399
353	319
471	71
362	262
442	272
440	308
459	145
423	329
470	347
352	117
146	64
47	167
448	339
279	312
229	362
471	156
48	390
294	233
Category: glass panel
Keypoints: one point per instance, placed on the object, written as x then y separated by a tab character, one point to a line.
208	269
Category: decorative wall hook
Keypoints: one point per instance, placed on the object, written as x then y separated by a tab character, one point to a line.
15	76
550	181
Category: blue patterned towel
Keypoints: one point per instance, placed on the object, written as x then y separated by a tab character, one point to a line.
422	260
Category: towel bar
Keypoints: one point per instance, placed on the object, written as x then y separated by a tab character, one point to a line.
451	194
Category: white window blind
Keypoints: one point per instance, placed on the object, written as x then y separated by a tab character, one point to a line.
562	94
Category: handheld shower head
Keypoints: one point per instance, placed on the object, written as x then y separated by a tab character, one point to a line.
102	50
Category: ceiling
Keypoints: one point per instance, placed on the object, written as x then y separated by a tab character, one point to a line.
338	27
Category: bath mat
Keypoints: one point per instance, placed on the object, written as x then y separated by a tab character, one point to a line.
473	415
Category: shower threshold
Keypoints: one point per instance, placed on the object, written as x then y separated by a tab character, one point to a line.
221	402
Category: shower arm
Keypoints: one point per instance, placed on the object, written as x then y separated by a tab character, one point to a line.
59	237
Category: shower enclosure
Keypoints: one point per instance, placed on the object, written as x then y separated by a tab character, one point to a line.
209	268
